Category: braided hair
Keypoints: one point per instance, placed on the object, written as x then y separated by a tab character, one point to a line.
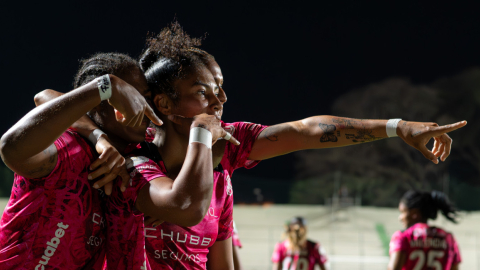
169	56
429	203
101	64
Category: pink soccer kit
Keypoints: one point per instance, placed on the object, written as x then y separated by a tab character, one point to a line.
302	260
55	222
169	246
426	247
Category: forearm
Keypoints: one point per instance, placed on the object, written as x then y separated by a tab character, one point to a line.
194	184
333	131
84	125
184	201
44	124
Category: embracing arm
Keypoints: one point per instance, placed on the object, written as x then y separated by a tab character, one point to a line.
43	125
220	256
331	131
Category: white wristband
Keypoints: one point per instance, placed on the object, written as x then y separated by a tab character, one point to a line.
392	127
201	135
104	87
93	137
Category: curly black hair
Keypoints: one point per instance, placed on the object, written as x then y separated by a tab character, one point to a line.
103	63
429	203
169	56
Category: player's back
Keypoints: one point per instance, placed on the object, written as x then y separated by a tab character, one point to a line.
429	248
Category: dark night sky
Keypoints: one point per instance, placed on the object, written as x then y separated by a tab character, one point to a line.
282	61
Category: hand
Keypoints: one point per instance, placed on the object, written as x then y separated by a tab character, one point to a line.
155	222
418	134
110	164
209	122
129	104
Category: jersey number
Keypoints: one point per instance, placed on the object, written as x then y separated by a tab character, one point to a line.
432	257
302	264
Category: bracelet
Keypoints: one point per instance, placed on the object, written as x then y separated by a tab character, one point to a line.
104	87
201	135
392	127
95	135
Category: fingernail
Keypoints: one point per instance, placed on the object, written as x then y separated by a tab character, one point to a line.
123	189
95	186
89	177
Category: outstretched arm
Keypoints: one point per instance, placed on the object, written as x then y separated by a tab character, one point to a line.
220	256
186	200
44	124
331	131
397	260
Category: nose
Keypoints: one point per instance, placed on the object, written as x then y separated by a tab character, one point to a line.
222	96
219	100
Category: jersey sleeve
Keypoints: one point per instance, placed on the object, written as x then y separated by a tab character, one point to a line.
456	252
277	255
225	223
398	242
142	170
246	134
322	254
72	149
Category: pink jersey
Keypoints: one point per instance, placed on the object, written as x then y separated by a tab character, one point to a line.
168	246
426	247
55	222
303	260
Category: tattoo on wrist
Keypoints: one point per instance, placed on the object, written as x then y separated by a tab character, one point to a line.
202	126
416	133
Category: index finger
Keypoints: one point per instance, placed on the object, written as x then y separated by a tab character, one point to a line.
152	116
227	136
437	131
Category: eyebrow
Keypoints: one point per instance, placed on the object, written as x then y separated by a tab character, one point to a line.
204	84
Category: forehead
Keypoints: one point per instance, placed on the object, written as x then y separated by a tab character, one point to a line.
214	68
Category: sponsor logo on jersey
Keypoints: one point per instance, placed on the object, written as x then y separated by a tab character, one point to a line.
52	246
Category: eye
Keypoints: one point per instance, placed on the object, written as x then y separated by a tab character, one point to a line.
201	92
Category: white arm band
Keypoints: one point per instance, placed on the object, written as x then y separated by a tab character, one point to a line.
392	127
104	87
201	135
93	137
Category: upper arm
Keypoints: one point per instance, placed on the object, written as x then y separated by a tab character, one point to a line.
220	255
278	140
277	266
37	166
397	260
455	267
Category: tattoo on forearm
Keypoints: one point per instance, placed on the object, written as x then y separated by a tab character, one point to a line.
48	165
328	133
363	135
270	134
346	122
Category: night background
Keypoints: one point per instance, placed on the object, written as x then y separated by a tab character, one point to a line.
284	61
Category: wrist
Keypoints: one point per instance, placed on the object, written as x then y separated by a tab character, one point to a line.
96	135
392	127
104	86
201	135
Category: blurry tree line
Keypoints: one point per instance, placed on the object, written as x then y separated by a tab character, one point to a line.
380	172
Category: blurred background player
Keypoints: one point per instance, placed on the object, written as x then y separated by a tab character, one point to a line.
296	252
421	246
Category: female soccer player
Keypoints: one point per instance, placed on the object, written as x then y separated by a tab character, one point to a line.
185	82
296	251
421	246
53	219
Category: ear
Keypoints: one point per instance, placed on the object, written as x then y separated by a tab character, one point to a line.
163	104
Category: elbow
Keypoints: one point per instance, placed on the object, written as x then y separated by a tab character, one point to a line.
5	148
194	215
39	97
